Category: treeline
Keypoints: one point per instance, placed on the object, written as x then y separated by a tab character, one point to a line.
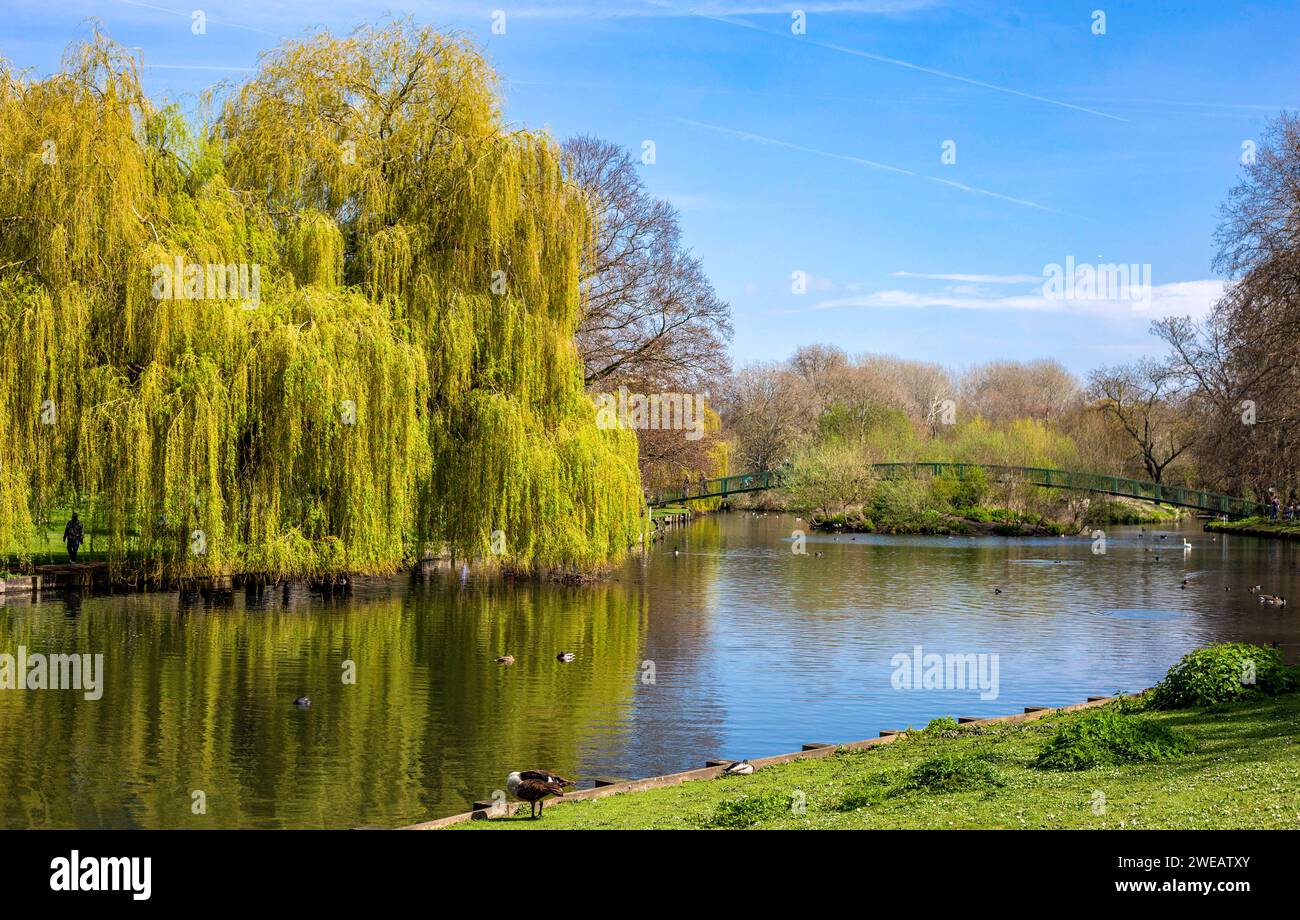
828	417
890	409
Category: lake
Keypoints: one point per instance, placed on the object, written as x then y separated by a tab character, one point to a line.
734	646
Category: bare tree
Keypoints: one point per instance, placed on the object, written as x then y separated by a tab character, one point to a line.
1145	401
1005	390
651	316
921	389
825	369
1243	363
769	409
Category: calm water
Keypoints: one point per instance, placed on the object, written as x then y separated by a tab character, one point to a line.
735	648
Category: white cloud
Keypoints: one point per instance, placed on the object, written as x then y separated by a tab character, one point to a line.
973	279
1194	298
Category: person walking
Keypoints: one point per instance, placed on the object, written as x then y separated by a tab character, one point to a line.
73	535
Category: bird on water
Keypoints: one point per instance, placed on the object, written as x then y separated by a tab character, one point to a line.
565	657
506	659
302	702
535	785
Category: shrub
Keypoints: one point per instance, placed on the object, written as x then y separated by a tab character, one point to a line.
896	503
1221	674
953	773
961	491
941	724
747	810
870	791
1110	737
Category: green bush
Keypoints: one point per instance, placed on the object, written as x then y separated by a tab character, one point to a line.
961	491
747	810
1108	511
871	791
972	485
1109	737
941	724
1223	673
896	502
953	773
988	515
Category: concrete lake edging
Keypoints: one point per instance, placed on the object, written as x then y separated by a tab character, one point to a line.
714	768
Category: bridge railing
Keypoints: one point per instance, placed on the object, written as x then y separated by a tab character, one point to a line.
1041	476
720	488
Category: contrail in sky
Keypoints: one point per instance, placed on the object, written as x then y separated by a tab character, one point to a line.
861	161
910	66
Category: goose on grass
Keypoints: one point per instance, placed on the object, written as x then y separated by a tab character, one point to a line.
535	785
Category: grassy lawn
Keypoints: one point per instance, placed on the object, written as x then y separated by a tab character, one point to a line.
1242	771
1258	526
48	546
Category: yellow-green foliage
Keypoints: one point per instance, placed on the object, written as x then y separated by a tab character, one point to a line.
1020	442
407	377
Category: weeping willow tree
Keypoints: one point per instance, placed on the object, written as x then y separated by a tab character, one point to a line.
327	330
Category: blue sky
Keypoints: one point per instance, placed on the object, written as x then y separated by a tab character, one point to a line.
822	153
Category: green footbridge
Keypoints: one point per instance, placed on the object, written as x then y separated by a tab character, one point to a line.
1200	500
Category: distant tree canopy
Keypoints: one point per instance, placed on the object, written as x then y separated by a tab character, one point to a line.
404	374
831	415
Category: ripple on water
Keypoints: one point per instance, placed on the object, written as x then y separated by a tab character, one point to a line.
1142	613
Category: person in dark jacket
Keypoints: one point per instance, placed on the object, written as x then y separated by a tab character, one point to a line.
73	535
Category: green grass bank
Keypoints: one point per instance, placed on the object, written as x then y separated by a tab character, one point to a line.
1202	751
1257	527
